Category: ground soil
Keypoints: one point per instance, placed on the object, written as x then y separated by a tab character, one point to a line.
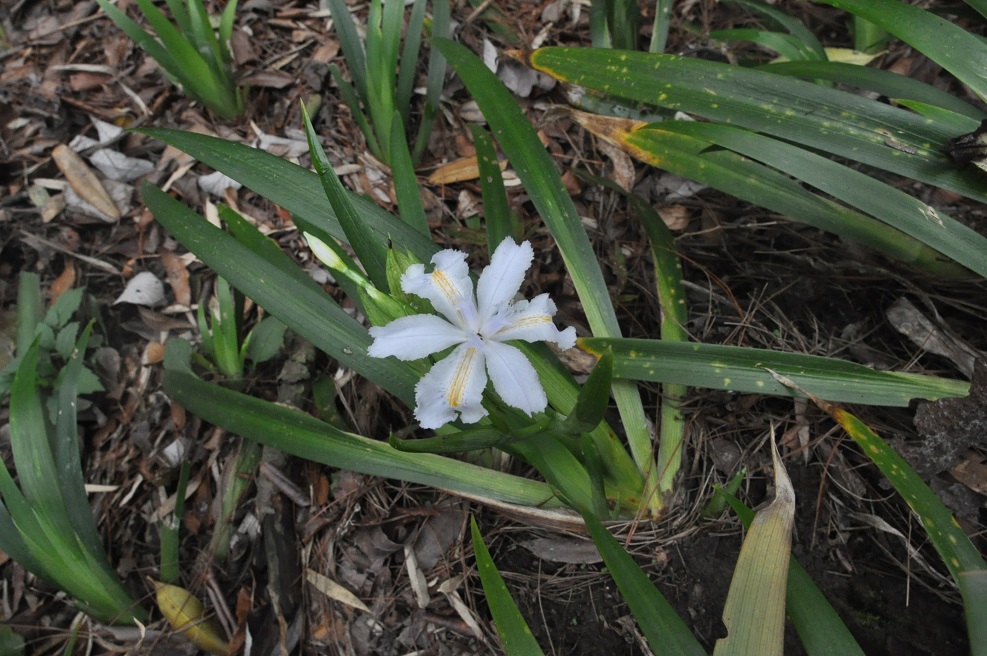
754	279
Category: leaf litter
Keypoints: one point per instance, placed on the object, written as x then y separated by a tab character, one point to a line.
753	279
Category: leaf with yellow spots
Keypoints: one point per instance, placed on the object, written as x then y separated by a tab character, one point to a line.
950	541
188	616
962	558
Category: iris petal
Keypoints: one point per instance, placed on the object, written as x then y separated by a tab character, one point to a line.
448	287
414	337
453	385
515	378
530	321
500	282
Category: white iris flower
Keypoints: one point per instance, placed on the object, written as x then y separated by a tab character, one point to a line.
455	384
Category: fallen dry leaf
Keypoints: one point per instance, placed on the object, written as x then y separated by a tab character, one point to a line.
177	278
64	282
460	170
82	179
143	289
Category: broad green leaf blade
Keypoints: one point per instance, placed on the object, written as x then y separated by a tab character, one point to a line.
887	204
667	634
537	171
265	340
293	187
513	630
559	467
820	628
824	119
369	248
960	52
883	82
748	180
306	437
740	369
309	312
754	613
10	537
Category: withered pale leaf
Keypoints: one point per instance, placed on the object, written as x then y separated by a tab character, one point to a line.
187	615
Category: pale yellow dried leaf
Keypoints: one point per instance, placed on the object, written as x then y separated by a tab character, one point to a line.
851	56
334	591
754	614
460	170
187	615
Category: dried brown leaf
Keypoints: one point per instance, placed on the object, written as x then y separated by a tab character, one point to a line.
82	179
177	278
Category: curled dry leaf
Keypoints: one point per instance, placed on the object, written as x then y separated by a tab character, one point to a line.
188	616
82	179
64	282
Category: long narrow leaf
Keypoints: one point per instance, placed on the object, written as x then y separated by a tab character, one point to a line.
511	627
306	437
370	248
740	369
435	78
66	451
351	45
667	634
497	217
410	207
